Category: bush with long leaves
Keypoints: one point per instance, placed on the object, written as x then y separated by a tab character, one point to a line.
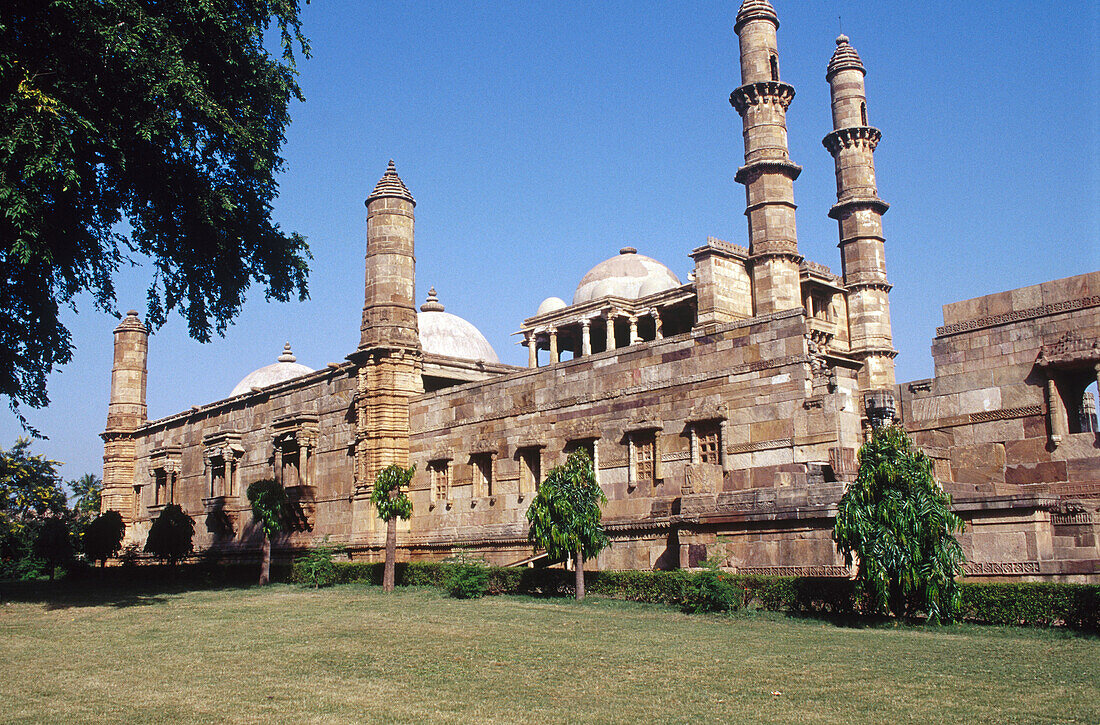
565	514
897	522
269	509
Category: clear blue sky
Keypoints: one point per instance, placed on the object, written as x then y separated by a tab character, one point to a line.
539	138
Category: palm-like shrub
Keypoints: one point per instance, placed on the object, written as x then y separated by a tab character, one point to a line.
897	522
392	503
269	510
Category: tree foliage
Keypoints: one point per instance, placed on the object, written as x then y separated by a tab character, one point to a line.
134	131
565	514
897	521
103	536
171	535
87	492
53	544
389	496
30	492
270	510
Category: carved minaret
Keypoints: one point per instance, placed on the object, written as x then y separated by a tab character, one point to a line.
768	173
126	412
389	353
859	211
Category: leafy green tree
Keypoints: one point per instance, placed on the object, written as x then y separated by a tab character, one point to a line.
103	537
86	491
171	535
53	544
390	498
565	514
897	522
269	510
30	492
130	131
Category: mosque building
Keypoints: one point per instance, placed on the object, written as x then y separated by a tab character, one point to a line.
722	412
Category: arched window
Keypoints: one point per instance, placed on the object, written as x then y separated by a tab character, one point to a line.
863	113
775	68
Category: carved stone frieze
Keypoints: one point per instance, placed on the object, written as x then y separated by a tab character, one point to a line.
996	568
754	94
1030	313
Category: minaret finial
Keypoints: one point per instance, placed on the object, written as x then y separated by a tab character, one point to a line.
390	185
432	304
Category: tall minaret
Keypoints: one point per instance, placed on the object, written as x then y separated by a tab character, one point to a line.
126	412
389	352
768	173
859	211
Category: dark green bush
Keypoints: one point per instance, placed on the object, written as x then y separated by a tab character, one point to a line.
712	590
467	577
1036	604
316	569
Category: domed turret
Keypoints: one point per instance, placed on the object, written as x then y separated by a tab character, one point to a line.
285	368
551	304
629	275
445	334
844	57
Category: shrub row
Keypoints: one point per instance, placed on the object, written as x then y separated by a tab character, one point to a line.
1035	604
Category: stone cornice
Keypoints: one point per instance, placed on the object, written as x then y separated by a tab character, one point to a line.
1030	313
779	166
753	94
868	202
857	136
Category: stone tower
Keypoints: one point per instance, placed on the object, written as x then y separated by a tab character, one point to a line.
126	412
768	173
389	353
859	211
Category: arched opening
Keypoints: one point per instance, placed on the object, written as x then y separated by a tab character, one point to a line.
1083	419
863	113
775	67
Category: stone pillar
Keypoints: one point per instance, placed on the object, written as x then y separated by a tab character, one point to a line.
858	212
631	461
610	331
1056	412
389	357
657	323
586	337
554	360
126	412
531	340
768	173
633	319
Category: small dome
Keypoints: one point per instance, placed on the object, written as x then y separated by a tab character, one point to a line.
445	334
844	57
551	304
629	275
286	368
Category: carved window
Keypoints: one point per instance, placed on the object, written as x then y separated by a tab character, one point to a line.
135	503
775	67
530	469
863	113
439	473
161	492
645	455
483	474
706	444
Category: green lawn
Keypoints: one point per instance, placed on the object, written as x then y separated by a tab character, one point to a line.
353	654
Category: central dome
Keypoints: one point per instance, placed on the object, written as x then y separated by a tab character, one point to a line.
445	334
629	275
286	368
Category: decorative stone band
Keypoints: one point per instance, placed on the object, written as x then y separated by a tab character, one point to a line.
760	445
865	136
596	397
752	94
1000	568
1079	518
842	207
830	570
1030	313
746	173
984	416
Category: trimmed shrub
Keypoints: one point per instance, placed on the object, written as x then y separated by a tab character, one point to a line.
316	569
467	577
712	590
1035	604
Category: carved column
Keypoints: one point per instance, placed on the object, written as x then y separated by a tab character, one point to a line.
586	337
657	324
1056	411
633	319
531	340
610	332
554	346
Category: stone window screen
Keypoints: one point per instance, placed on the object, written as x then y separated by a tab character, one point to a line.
439	474
483	474
530	469
707	441
161	493
643	457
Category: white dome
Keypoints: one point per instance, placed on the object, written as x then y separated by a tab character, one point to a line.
445	334
551	304
629	275
287	368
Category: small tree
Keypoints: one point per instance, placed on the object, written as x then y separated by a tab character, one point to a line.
53	544
898	522
565	513
170	536
269	507
103	537
87	491
393	503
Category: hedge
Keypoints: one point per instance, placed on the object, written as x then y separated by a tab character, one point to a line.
1033	604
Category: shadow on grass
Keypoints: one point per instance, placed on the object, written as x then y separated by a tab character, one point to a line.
852	621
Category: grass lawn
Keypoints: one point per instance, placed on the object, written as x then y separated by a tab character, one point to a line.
353	654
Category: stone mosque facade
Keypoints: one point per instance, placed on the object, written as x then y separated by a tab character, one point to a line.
723	413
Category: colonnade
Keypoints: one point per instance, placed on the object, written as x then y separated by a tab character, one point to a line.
550	337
